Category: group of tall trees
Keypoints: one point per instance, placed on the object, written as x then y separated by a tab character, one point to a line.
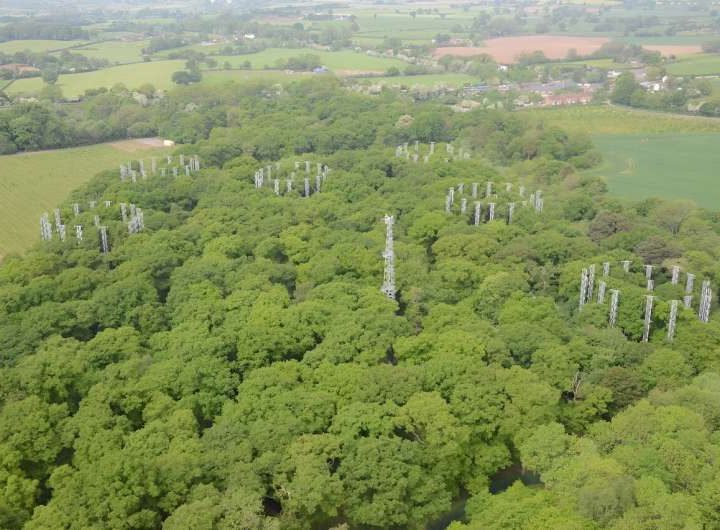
103	115
37	29
235	364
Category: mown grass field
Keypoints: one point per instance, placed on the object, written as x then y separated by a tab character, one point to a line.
342	60
132	76
13	46
115	51
678	40
648	154
33	183
421	28
673	166
596	63
425	80
214	77
701	64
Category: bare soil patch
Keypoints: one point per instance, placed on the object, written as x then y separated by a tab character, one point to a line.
138	144
508	49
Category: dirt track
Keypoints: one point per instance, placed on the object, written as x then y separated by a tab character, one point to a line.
139	144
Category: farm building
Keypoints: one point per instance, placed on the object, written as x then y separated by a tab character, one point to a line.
20	70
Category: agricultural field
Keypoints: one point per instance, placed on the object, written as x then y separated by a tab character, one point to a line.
672	166
425	80
598	120
674	50
13	46
647	154
670	40
132	76
403	26
508	49
342	61
215	77
115	51
32	183
606	64
701	64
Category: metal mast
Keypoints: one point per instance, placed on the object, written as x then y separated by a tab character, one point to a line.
388	286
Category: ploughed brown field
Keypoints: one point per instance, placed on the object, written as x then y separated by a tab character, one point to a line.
508	49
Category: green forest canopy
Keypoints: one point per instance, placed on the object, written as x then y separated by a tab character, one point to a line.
235	365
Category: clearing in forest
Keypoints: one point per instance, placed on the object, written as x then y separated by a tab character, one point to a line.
33	183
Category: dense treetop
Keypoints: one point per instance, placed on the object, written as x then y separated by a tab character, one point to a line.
235	365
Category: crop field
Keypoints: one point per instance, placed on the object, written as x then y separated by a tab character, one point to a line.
215	77
132	76
13	46
425	80
403	26
620	120
338	61
672	166
596	63
375	41
672	40
674	50
389	23
32	183
701	64
507	49
115	51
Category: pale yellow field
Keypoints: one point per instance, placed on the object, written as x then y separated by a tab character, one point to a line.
33	183
131	75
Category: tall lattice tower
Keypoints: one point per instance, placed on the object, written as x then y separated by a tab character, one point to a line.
388	286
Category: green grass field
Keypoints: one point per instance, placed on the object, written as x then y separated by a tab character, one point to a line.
343	60
13	46
596	63
668	40
117	52
132	75
33	183
621	120
403	25
370	41
214	77
701	64
673	166
425	80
